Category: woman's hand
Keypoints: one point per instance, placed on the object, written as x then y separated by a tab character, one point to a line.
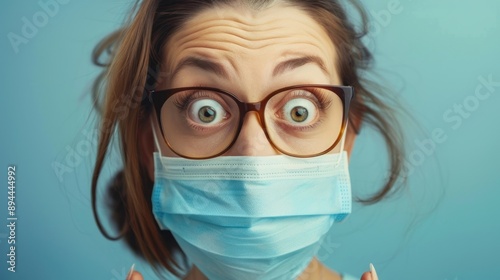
134	275
370	275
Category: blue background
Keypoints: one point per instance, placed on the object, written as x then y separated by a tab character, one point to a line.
432	54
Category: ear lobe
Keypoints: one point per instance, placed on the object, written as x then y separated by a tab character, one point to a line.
146	148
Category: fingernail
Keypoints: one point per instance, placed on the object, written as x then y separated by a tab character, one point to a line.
373	272
129	276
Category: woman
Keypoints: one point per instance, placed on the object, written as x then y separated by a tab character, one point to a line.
235	120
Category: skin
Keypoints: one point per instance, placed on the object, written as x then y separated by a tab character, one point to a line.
248	46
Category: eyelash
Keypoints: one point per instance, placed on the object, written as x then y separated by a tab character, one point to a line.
183	101
321	100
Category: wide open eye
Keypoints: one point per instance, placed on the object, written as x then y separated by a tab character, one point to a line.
206	112
299	111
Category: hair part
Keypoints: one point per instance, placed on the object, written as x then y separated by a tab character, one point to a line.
134	56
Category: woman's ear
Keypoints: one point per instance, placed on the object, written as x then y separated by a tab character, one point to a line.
146	147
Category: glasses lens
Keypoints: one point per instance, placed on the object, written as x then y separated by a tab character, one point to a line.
199	123
304	121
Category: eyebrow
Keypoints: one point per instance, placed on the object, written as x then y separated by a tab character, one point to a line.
217	68
204	64
293	63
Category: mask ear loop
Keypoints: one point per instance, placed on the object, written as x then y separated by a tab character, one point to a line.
155	137
342	144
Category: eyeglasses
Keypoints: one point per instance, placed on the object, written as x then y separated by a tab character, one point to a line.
299	121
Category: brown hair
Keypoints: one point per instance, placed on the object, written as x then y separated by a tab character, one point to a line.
135	53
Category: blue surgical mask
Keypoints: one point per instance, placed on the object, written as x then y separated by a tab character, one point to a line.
251	217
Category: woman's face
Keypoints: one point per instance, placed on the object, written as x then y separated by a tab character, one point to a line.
251	54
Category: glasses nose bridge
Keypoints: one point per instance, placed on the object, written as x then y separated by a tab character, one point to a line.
253	107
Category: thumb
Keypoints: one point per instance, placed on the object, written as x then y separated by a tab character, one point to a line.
135	276
366	276
371	275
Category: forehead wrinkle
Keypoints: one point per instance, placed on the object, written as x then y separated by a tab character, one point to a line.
238	23
236	36
228	45
232	33
247	31
231	39
225	41
225	25
219	52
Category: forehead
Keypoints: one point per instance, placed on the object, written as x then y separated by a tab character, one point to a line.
244	38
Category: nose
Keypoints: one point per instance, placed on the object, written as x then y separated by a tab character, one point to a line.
252	140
